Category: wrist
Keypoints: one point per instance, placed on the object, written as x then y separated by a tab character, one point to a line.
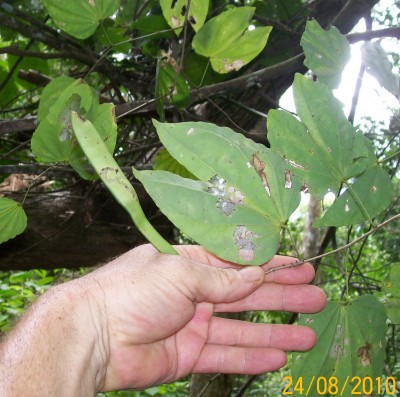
58	347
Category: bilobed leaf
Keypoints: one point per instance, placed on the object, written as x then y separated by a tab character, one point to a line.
378	65
13	219
226	40
391	287
243	198
174	12
53	141
80	18
368	196
350	343
327	52
331	150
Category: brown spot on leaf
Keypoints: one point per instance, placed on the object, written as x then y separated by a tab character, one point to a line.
363	355
288	179
259	166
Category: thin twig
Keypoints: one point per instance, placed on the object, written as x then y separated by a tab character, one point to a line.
365	235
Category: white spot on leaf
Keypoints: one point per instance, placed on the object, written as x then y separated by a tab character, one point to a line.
231	66
244	242
288	179
190	131
175	23
92	3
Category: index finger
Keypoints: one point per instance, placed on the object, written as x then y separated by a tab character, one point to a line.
303	274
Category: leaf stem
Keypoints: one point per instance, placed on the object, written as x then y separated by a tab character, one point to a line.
353	194
344	247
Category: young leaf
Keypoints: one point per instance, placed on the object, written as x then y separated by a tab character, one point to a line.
174	12
332	151
13	219
351	342
243	199
327	52
100	157
226	40
80	18
376	60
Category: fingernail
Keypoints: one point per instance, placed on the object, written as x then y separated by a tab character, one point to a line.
251	273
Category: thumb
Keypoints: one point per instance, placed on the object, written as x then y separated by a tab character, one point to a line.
211	284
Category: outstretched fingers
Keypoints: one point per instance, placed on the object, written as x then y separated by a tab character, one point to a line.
272	296
230	332
239	360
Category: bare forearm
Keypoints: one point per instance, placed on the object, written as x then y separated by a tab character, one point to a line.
47	354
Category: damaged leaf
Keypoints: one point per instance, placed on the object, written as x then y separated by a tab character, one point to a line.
229	210
332	154
331	150
351	341
228	42
53	140
174	12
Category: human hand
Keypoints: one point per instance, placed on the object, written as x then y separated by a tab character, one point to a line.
157	316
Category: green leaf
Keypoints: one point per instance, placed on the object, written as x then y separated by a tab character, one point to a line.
391	287
327	52
242	200
331	151
174	12
373	188
13	219
102	160
351	342
51	93
378	65
80	18
53	141
226	40
165	162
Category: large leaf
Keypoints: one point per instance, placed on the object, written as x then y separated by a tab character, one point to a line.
243	198
331	149
174	12
376	60
351	343
226	40
13	219
368	196
53	140
80	18
327	52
